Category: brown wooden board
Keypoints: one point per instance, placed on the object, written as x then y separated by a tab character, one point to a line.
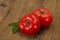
13	10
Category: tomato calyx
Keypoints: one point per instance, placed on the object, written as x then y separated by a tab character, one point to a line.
27	22
42	11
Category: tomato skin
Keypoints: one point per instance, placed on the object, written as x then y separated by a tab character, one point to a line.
32	26
44	15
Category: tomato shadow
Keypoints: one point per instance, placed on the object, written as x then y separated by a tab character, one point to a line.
42	32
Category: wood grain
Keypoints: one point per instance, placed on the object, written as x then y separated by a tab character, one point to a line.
13	10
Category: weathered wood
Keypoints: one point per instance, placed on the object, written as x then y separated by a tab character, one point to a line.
13	10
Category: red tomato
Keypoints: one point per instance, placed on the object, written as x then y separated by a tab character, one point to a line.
29	24
44	16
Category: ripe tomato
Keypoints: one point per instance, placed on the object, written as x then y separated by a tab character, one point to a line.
44	16
29	24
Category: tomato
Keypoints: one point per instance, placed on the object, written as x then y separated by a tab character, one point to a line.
29	24
44	15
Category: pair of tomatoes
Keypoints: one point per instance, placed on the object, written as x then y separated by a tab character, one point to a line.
31	23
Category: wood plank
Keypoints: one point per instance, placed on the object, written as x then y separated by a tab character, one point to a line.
4	7
56	32
53	33
29	8
50	4
13	10
11	18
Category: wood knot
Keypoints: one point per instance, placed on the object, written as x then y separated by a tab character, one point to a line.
3	5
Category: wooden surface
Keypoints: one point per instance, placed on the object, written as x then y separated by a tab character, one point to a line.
13	10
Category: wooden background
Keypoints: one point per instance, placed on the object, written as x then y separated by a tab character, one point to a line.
13	10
